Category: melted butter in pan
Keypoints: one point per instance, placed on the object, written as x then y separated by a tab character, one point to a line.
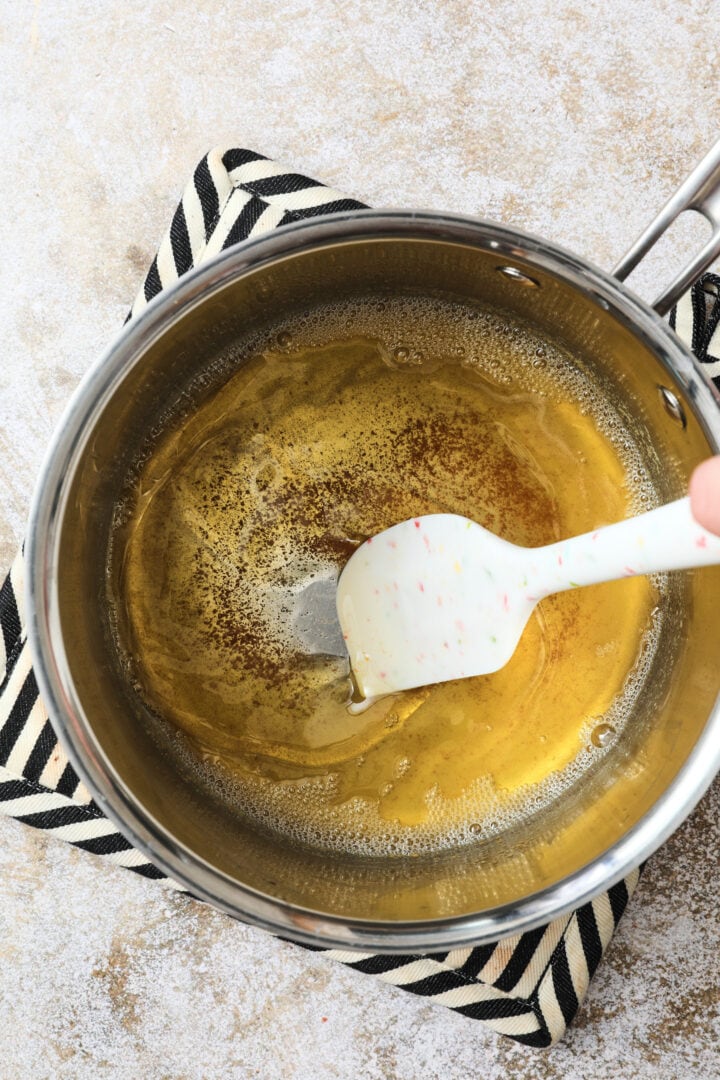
243	515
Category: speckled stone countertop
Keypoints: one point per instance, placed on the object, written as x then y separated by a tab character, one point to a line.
573	120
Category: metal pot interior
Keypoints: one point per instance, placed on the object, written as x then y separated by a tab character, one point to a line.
478	891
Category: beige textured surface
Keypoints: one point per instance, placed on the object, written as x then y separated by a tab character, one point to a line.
574	120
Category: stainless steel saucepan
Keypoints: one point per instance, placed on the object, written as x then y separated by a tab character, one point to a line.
668	752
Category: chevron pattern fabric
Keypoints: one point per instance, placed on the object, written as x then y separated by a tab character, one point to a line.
528	987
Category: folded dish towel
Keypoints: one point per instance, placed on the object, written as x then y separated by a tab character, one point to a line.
528	987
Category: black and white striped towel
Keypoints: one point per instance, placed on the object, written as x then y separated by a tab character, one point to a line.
527	987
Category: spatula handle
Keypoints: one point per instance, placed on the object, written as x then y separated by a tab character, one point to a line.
668	538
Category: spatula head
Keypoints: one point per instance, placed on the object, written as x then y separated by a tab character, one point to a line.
432	599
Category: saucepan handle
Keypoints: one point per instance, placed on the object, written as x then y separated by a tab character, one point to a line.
701	192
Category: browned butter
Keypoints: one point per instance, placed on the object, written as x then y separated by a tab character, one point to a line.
346	421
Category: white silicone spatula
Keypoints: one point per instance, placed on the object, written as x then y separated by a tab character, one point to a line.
439	597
